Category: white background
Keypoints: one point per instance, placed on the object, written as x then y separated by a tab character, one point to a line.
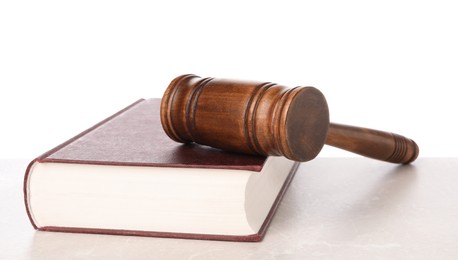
389	65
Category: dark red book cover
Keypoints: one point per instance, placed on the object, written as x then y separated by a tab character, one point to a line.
134	137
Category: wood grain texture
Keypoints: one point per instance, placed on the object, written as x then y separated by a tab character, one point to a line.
373	143
268	119
250	117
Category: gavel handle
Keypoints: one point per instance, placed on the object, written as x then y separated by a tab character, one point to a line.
371	143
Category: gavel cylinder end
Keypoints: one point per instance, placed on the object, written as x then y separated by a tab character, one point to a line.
305	125
249	117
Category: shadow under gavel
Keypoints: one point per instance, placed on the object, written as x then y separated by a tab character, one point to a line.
268	119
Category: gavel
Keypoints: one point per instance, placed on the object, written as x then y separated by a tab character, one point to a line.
268	119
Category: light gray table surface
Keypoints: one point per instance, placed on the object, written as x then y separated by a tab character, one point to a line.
336	208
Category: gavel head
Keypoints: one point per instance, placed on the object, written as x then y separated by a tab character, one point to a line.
248	117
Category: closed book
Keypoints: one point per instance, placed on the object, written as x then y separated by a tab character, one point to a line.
124	176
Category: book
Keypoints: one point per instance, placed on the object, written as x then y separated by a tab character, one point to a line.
124	176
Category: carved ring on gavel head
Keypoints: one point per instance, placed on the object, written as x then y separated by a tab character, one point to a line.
268	119
249	117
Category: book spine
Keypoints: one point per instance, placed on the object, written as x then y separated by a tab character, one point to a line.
25	190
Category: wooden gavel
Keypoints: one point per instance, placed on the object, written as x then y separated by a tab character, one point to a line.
268	119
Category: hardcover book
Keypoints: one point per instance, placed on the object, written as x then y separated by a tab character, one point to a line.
124	176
